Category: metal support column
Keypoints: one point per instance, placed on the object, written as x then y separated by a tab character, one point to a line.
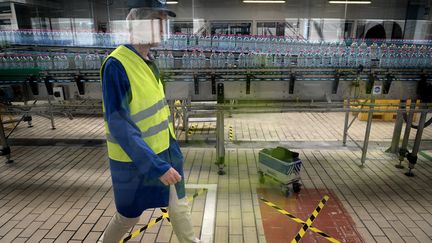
347	114
220	142
5	149
403	149
51	115
368	130
220	133
397	131
412	157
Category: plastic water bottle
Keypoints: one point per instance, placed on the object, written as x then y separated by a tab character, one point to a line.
309	59
31	61
317	59
97	61
88	61
383	63
354	47
335	57
242	60
367	60
382	48
215	42
207	42
57	62
79	62
48	62
326	60
360	59
258	60
213	60
202	60
161	60
183	42
170	60
250	60
352	59
40	62
231	60
223	42
287	60
392	62
269	60
374	51
278	59
194	60
301	59
186	60
413	60
221	60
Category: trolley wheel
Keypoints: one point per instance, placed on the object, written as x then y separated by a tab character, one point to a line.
261	177
296	187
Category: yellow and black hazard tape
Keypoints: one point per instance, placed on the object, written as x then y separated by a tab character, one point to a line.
231	134
300	221
142	229
164	215
310	220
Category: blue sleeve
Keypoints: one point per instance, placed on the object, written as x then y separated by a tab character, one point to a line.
116	97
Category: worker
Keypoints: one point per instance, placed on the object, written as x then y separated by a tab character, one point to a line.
146	163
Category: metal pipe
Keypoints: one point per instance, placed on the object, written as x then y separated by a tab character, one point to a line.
419	134
367	134
5	149
412	157
403	149
397	131
345	132
220	142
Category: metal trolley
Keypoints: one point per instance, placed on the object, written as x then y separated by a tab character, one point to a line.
283	166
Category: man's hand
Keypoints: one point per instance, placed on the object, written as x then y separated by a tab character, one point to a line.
170	177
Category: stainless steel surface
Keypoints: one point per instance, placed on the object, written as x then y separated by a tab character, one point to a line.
407	128
345	131
367	134
394	148
419	133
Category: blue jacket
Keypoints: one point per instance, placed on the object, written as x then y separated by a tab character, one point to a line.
136	185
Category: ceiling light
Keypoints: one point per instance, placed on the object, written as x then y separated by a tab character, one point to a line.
172	2
263	1
350	2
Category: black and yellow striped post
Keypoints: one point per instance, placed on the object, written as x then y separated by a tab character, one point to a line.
300	221
310	220
230	134
164	215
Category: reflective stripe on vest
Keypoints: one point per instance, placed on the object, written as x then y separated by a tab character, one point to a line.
149	132
148	108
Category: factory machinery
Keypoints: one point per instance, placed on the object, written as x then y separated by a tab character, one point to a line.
205	92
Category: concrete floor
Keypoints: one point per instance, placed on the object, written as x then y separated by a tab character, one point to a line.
63	193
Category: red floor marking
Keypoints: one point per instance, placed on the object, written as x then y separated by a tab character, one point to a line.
333	219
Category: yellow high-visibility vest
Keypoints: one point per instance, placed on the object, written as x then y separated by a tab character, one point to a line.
148	107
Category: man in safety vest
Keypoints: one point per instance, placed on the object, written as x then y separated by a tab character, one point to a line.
145	159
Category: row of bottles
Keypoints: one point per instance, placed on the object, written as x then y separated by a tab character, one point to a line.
235	43
306	59
165	61
62	38
247	43
52	61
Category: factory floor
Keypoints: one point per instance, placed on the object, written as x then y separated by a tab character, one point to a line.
61	192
